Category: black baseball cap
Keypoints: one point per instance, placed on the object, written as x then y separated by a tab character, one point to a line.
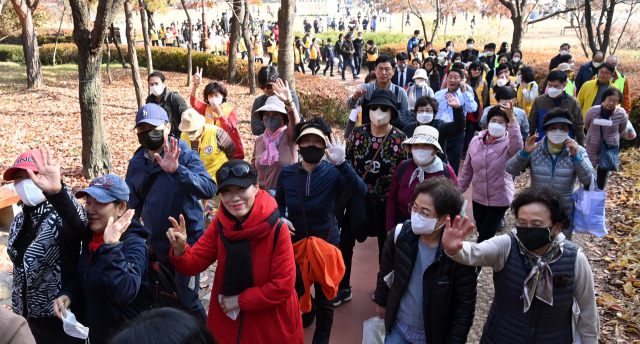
236	172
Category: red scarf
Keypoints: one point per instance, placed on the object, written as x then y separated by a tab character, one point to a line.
96	242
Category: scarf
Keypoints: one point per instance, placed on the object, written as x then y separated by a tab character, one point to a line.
604	113
96	242
434	166
554	149
271	141
539	282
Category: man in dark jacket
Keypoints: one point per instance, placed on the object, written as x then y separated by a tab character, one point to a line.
267	77
172	102
422	295
348	51
467	53
404	73
167	178
329	54
358	44
588	70
565	48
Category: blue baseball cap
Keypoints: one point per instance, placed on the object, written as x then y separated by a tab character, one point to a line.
107	188
153	114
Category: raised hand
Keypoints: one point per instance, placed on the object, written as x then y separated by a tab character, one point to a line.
452	100
359	93
508	109
178	236
197	77
282	91
454	234
48	177
336	150
171	154
530	143
114	230
573	146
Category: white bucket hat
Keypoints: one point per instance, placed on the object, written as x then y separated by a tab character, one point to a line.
424	134
273	103
420	73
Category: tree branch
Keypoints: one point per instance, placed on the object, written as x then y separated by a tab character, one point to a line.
554	14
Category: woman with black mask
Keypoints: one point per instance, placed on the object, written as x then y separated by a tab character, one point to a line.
307	191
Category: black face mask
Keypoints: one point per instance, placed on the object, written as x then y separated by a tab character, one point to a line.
272	123
151	139
533	238
311	154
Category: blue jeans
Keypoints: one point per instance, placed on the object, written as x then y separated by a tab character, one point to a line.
395	337
353	67
340	61
358	62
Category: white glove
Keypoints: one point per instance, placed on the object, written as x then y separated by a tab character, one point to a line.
336	150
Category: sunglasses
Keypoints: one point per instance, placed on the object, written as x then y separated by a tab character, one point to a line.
383	108
237	170
267	86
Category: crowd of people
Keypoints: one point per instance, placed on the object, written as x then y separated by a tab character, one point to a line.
426	126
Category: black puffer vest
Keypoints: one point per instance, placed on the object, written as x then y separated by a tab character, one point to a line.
542	324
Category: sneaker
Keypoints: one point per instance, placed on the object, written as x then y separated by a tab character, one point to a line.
356	77
331	75
344	79
343	295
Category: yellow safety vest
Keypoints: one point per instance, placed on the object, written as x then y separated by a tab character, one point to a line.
307	43
522	103
314	53
492	95
372	57
257	49
570	88
620	82
272	46
210	154
296	53
275	56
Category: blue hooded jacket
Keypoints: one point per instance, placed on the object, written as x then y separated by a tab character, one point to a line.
111	284
171	195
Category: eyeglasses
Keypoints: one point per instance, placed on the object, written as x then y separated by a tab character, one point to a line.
237	170
267	86
383	108
412	207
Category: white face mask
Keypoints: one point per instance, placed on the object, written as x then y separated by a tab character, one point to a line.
502	81
554	92
29	193
424	117
596	64
496	129
557	136
422	156
469	46
422	225
156	90
73	328
564	52
489	53
421	45
457	61
379	117
516	59
571	65
449	48
419	81
215	100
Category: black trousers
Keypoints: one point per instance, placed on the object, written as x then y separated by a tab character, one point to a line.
602	178
324	316
329	65
49	331
487	220
348	242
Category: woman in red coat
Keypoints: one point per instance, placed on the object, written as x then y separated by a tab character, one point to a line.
253	299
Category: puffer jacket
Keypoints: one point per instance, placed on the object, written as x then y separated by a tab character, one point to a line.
111	285
37	275
559	174
449	288
485	168
611	134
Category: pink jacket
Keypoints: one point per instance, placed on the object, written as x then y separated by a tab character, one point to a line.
485	166
593	141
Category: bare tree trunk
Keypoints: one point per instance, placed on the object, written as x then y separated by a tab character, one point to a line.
204	25
145	34
55	47
115	42
518	33
250	52
89	39
286	59
133	54
24	11
150	19
106	43
233	42
189	61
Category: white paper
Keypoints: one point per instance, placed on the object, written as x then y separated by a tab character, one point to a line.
603	122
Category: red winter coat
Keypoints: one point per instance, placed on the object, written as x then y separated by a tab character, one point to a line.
271	312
